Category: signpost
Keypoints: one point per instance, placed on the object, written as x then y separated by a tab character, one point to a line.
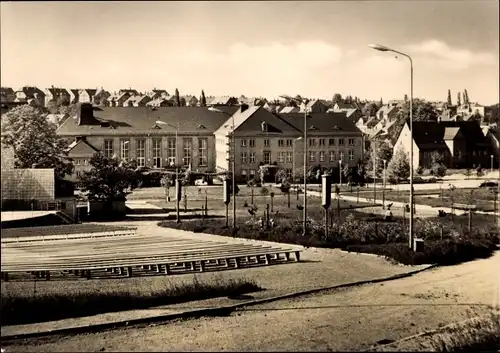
178	197
226	198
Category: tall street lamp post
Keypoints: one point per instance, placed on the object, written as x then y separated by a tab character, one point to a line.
383	184
386	49
340	171
491	164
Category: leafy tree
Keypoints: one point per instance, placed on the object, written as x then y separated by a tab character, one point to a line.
35	141
52	107
406	98
108	180
177	98
381	151
203	100
422	111
63	100
361	173
466	95
464	98
370	109
468	173
183	102
420	170
337	98
381	103
449	99
399	166
459	103
438	168
281	177
347	173
166	181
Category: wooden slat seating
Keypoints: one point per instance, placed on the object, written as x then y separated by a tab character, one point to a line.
67	236
195	260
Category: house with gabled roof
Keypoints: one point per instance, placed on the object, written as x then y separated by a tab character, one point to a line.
30	95
133	133
137	101
87	95
56	94
222	100
191	101
7	95
289	110
314	106
388	112
74	95
118	99
158	93
160	102
461	143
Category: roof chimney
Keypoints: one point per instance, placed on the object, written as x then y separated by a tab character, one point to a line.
85	114
244	107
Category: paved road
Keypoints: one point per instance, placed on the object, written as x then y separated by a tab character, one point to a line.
349	319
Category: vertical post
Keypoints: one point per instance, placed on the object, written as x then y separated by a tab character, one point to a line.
293	161
357	195
252	193
491	164
326	222
227	215
470	219
185	199
206	205
304	230
383	186
288	197
411	155
340	172
177	196
234	174
374	171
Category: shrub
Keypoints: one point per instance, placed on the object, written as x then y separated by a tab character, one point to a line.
420	170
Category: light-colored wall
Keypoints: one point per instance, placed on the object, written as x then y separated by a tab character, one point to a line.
405	141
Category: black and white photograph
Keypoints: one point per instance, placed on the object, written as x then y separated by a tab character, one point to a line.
250	176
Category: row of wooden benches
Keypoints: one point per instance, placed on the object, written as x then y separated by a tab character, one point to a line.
165	265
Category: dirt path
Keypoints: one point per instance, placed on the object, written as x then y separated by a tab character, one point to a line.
349	319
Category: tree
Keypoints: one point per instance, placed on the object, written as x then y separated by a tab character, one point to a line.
280	177
370	109
177	98
203	99
438	168
337	98
35	141
406	98
347	173
381	151
108	180
422	111
459	103
183	102
381	103
466	99
63	100
449	99
399	166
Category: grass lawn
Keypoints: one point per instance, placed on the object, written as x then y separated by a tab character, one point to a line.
24	307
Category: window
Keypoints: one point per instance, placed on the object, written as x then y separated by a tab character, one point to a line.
171	151
264	126
124	150
243	157
77	162
341	141
156	153
312	142
289	157
251	143
243	173
352	142
252	157
321	156
243	143
281	143
108	148
331	142
252	173
202	152
288	172
266	143
351	155
187	147
312	156
140	150
281	157
267	157
321	142
332	156
341	156
289	143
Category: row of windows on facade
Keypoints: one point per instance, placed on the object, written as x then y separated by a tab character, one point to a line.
287	157
312	142
140	149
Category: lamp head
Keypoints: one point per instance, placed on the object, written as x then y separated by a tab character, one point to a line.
379	47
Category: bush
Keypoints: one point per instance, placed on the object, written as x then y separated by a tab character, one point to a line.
420	170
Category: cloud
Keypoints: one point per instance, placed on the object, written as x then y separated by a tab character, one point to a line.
437	52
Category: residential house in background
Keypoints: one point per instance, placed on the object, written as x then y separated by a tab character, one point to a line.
101	97
314	106
158	93
30	95
388	112
462	144
130	91
87	95
160	102
493	136
353	114
191	101
7	95
118	99
137	101
289	110
74	95
56	94
222	101
133	134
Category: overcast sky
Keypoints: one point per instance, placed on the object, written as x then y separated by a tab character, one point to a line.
255	48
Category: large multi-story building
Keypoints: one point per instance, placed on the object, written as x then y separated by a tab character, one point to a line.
264	138
146	135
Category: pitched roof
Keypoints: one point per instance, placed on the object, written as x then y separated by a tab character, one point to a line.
426	133
141	120
289	110
450	132
321	122
251	120
81	148
342	105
